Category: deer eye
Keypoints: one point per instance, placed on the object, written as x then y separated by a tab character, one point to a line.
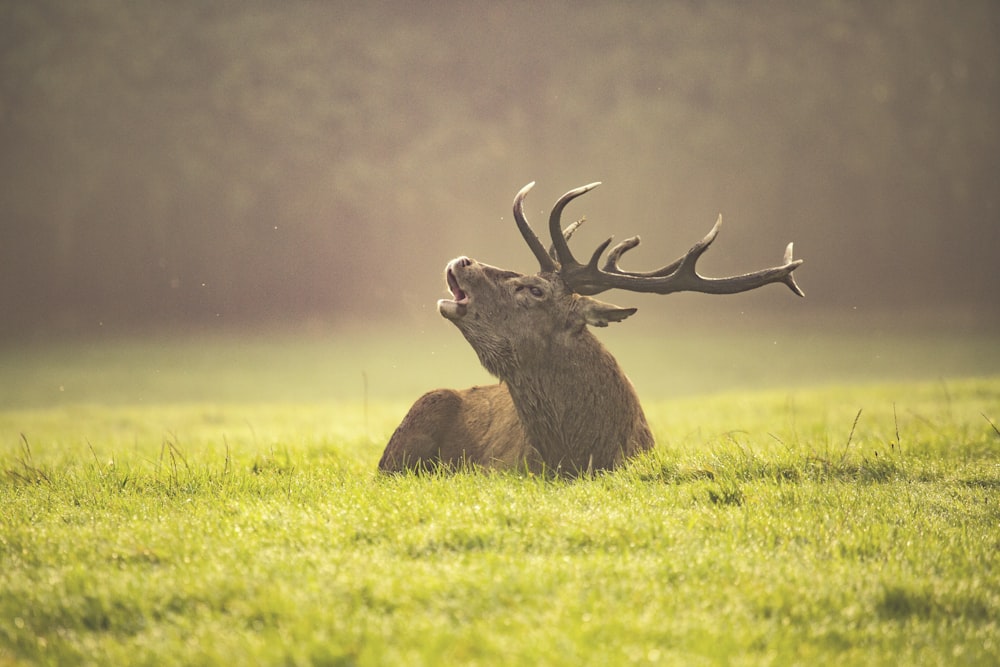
533	290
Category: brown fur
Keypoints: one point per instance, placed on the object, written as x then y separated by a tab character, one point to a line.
563	405
475	426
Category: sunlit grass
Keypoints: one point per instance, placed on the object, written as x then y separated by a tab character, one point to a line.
849	524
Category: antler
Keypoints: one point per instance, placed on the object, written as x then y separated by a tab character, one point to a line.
547	259
680	275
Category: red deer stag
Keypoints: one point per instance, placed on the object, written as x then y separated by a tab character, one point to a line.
563	405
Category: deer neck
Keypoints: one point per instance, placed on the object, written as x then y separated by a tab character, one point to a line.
573	397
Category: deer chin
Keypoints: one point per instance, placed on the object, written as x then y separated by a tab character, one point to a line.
452	309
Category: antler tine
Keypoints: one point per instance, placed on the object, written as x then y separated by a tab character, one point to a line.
559	244
567	234
546	262
789	278
611	264
685	264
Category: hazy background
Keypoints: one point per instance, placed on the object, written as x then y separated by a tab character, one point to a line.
185	165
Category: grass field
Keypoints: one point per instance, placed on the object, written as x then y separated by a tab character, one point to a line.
812	500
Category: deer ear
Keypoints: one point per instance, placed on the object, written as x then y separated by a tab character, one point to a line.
599	314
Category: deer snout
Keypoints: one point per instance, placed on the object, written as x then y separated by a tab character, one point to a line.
455	308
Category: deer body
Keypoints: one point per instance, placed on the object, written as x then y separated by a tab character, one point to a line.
563	404
475	426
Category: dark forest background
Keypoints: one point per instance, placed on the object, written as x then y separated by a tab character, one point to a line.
200	164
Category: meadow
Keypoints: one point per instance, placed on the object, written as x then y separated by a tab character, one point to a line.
813	499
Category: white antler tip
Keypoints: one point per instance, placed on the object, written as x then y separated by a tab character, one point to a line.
522	194
712	233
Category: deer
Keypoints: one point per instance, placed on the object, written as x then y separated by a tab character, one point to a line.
562	405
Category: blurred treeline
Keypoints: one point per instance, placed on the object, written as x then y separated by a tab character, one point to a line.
189	163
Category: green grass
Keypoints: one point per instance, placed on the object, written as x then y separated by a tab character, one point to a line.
845	523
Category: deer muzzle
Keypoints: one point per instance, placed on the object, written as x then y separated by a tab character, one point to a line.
455	308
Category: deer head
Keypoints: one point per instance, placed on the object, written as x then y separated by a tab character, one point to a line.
564	404
505	315
510	318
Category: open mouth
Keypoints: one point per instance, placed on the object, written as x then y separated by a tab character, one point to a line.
459	295
455	308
